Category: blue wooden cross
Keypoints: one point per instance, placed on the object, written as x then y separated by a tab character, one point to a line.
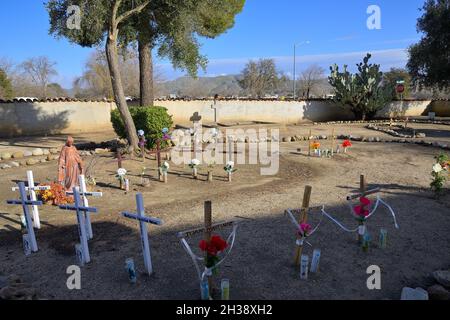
140	216
81	210
24	202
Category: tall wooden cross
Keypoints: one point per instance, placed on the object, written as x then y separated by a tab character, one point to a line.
332	142
309	143
84	196
363	192
196	118
207	230
31	188
303	218
81	210
214	107
24	202
143	220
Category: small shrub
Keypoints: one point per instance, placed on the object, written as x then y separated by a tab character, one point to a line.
152	120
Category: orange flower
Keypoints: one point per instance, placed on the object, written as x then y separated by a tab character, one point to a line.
315	145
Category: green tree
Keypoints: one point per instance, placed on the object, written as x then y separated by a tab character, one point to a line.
364	91
174	30
101	21
6	91
398	74
260	77
172	26
429	60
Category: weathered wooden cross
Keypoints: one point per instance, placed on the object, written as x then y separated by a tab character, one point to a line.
196	118
309	143
363	192
81	210
207	230
143	220
332	142
214	107
84	195
303	218
31	188
24	202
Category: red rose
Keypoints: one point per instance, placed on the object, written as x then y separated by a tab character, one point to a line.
203	245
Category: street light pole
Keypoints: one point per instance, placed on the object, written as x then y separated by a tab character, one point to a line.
295	63
295	66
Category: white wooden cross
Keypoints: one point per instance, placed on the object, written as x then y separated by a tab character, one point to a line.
32	192
84	196
80	209
143	220
24	202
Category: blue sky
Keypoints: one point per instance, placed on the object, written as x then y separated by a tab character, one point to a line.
337	32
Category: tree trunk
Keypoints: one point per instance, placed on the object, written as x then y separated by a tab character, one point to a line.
146	73
119	95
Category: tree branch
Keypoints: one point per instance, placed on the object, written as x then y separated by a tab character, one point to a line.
113	21
129	13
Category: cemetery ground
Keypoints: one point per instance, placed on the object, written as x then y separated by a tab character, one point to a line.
261	263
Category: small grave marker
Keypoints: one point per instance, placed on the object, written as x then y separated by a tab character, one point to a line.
31	188
81	210
143	220
85	194
24	202
303	219
207	230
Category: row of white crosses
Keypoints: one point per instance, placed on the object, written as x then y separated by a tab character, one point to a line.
83	211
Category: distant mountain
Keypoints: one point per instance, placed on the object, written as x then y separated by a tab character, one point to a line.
200	87
228	86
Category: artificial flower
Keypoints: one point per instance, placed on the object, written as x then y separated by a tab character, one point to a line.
213	247
305	229
437	168
362	210
363	213
315	145
121	172
347	144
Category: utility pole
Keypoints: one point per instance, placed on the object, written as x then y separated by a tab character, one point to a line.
295	66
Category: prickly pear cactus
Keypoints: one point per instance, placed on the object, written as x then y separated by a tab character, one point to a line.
364	91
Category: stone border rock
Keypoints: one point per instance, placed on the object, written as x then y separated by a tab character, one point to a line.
445	123
41	155
394	133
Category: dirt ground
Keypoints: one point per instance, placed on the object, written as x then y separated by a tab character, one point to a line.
261	263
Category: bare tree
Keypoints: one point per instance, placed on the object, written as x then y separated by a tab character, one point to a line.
40	70
96	82
310	80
